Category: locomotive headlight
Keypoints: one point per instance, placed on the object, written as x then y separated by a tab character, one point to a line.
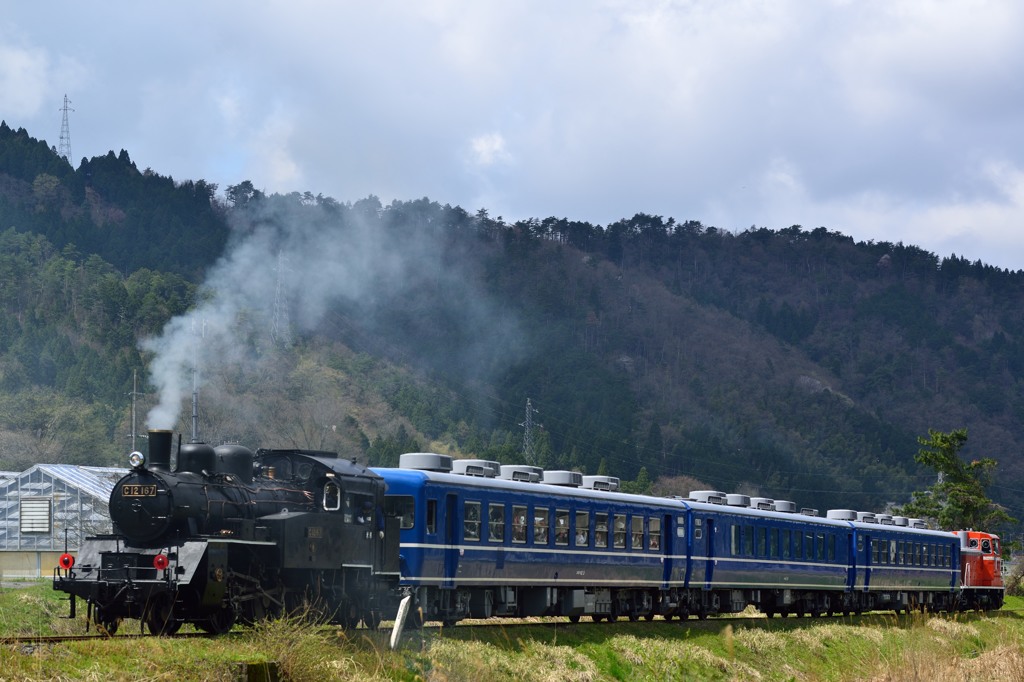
136	459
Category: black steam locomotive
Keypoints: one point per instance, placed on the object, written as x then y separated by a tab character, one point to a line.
234	535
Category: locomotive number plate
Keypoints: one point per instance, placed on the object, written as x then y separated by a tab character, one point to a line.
129	490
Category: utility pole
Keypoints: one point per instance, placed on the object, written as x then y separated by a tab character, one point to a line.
64	149
528	449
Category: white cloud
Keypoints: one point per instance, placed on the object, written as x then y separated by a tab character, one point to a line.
489	149
874	118
24	75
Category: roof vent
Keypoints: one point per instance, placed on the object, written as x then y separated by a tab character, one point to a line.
808	511
569	479
426	461
709	496
609	483
521	472
764	503
900	521
866	517
736	500
841	514
917	523
884	519
476	467
785	506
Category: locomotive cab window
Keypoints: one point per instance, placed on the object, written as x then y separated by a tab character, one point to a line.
332	496
471	521
358	509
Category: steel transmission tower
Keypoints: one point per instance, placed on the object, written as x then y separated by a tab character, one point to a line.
528	449
64	150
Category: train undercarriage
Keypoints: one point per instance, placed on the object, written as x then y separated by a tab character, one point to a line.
450	605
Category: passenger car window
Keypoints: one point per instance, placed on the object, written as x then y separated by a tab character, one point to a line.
619	537
404	507
540	526
471	521
518	523
601	530
655	534
582	529
561	526
637	531
496	523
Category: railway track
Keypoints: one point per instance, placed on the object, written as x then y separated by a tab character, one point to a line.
32	641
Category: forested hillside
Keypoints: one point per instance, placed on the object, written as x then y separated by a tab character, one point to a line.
795	363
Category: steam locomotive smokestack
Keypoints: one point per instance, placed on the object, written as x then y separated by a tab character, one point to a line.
160	442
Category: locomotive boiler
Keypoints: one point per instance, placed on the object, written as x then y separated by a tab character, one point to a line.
229	534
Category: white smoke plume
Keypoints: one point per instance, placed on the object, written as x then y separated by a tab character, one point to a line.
329	255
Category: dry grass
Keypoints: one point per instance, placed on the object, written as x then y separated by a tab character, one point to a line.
532	662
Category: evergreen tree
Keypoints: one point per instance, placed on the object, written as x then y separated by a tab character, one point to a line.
958	500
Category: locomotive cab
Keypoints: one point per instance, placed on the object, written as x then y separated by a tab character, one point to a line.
981	569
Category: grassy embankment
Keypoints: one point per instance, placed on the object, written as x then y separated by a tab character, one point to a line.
873	647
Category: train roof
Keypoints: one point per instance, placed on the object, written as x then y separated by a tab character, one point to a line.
421	468
329	460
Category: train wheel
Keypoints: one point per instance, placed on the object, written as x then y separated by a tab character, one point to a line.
106	625
219	622
597	618
371	619
649	616
574	619
160	618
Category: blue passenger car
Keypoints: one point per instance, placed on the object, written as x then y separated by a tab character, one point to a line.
534	543
484	540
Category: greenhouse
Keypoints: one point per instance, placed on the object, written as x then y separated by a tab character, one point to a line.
53	506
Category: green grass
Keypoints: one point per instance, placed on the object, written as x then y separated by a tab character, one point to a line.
876	647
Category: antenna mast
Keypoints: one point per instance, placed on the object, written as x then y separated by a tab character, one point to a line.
64	150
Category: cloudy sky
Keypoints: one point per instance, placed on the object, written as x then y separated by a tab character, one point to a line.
897	121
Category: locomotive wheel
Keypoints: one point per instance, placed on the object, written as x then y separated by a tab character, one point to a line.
371	619
219	622
160	618
106	625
